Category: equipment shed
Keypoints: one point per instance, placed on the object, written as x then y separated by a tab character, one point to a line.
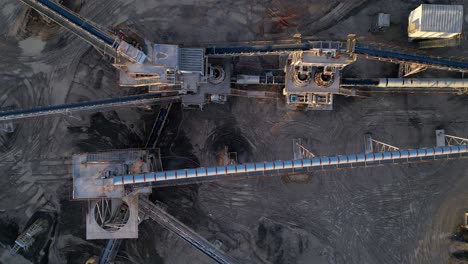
435	21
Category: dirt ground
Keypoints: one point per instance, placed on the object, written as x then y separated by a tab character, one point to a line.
391	214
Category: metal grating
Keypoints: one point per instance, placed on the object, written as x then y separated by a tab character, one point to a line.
191	60
114	156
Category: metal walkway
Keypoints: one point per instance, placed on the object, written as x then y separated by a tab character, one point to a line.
273	168
158	214
99	105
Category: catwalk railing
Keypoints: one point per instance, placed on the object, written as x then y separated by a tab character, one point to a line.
99	105
272	168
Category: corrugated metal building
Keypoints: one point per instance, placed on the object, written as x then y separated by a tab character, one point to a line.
435	21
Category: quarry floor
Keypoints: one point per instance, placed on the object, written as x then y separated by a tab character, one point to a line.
391	214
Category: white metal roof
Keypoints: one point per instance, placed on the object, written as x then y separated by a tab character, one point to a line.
441	18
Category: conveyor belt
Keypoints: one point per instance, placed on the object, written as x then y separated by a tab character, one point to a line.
407	85
86	30
158	125
400	56
163	218
272	168
367	51
78	21
269	47
110	251
99	105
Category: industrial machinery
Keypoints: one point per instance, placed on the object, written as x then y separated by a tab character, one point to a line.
135	177
112	182
199	75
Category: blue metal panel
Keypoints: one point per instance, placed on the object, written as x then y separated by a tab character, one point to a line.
170	175
333	160
342	159
438	151
413	153
370	157
128	179
231	169
288	164
117	180
278	164
260	166
269	166
307	162
150	176
352	158
139	178
160	176
361	158
378	156
181	174
249	167
240	168
447	150
191	173
201	172
462	148
211	171
430	151
404	154
396	154
455	149
387	155
297	163
421	152
325	160
221	170
315	161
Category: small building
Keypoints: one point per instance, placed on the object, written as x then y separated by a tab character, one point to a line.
435	21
